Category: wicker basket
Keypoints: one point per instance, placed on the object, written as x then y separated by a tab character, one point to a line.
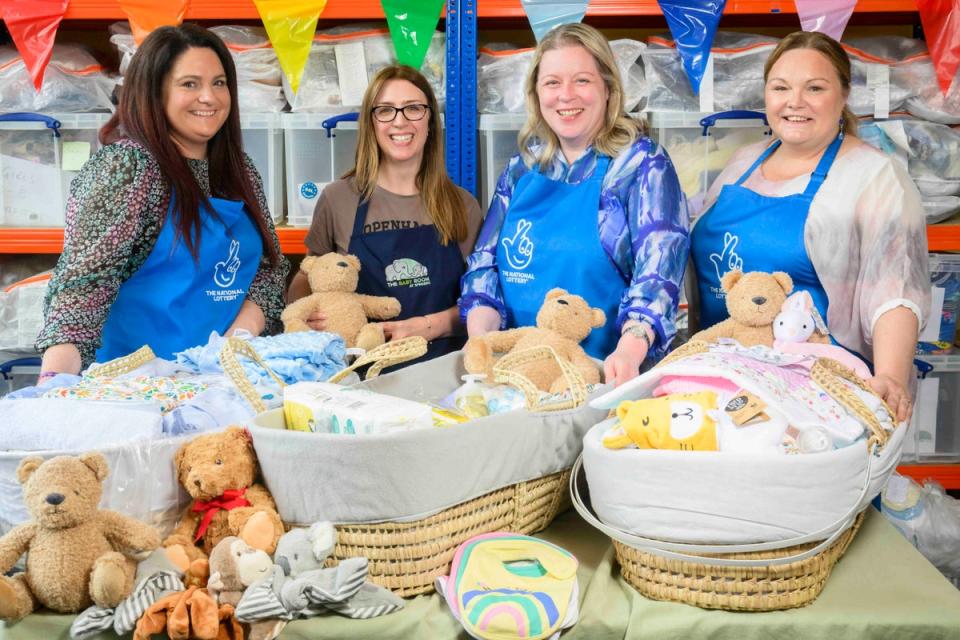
407	557
752	577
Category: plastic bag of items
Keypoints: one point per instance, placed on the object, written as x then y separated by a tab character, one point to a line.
738	73
259	76
882	70
360	51
928	518
21	313
73	82
502	71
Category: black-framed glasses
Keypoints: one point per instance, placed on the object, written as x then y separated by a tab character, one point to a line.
387	113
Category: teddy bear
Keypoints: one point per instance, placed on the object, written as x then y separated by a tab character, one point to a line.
563	321
77	554
754	299
218	471
333	280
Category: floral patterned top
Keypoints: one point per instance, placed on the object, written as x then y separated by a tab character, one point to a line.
117	204
644	228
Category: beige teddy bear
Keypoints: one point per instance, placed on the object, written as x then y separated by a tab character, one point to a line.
77	554
563	322
333	279
218	471
754	299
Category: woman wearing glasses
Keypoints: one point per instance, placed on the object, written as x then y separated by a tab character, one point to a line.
400	214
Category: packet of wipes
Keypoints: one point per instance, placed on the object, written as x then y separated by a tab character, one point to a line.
322	407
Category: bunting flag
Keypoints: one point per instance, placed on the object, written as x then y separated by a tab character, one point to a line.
33	26
291	25
941	26
693	24
547	14
829	17
147	15
412	23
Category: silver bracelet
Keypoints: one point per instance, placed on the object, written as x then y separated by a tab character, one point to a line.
638	331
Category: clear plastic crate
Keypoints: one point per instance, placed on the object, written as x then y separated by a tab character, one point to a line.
313	160
934	431
263	142
699	159
33	183
21	314
497	136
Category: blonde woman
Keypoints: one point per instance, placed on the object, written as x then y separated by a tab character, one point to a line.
590	204
399	213
843	219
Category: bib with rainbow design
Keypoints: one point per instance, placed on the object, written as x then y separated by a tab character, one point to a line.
503	586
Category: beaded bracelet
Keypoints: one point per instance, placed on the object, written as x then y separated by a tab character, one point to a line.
46	375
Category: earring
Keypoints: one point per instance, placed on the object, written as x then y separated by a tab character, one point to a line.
842	125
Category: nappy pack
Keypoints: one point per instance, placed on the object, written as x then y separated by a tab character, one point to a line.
323	407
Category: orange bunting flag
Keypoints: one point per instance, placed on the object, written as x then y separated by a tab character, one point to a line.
291	25
147	15
33	26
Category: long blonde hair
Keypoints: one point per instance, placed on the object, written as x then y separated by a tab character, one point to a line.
618	129
833	52
441	198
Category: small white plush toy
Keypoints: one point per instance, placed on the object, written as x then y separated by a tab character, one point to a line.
799	320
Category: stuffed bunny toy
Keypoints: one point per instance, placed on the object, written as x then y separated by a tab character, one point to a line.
799	321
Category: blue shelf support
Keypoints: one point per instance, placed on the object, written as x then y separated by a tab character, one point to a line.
461	107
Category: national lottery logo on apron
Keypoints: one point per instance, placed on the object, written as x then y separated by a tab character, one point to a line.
518	250
406	272
726	260
224	274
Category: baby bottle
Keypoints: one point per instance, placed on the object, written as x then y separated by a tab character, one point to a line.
815	440
469	397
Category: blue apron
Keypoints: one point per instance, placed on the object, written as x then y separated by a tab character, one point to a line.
550	238
173	302
752	232
413	266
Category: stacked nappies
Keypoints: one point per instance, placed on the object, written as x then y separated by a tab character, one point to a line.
329	408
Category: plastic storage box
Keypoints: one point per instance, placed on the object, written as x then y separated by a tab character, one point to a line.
497	136
21	313
934	433
263	142
315	157
938	336
699	153
39	156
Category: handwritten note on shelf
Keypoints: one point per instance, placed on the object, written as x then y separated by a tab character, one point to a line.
32	193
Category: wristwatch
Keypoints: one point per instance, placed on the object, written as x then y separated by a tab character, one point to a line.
638	331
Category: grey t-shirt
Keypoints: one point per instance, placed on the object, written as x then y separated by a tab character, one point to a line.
336	209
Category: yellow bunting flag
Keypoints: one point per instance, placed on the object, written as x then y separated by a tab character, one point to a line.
147	15
291	25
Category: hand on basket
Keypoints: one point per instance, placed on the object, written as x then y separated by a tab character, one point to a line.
894	394
624	363
317	321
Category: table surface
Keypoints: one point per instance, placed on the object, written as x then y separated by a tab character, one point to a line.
881	588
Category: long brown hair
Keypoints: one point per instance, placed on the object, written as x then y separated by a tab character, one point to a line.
833	52
141	116
618	129
441	198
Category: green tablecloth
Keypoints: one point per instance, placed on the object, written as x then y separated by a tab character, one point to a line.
881	588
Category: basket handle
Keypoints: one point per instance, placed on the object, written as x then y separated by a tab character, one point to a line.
234	370
124	364
385	355
685	552
505	372
825	373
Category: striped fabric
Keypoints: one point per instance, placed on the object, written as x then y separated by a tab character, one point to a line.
124	617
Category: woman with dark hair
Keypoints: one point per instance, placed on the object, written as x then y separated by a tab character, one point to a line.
841	218
399	213
168	235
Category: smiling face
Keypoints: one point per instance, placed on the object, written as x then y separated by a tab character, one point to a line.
804	100
572	96
196	100
401	141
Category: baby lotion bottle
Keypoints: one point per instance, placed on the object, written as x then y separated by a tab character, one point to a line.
469	397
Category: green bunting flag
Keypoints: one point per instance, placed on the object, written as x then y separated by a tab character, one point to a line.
412	23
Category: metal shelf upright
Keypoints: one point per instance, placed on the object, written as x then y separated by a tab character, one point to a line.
461	110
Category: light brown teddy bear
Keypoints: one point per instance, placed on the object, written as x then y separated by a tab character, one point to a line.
754	299
563	322
333	279
77	554
218	471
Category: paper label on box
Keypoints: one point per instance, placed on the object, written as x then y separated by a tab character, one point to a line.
878	79
31	193
706	87
75	155
931	332
307	195
352	72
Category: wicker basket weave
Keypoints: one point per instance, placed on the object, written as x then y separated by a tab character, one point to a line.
406	557
769	588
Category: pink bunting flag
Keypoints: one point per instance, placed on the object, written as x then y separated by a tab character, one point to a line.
829	17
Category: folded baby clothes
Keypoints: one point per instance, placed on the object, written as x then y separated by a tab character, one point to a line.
166	393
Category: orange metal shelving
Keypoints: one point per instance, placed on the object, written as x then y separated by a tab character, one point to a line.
947	475
50	240
512	8
224	9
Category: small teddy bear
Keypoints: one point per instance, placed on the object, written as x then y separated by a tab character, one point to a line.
563	322
77	554
333	279
218	471
753	301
